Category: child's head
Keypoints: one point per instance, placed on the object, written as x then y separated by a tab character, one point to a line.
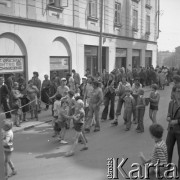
140	92
137	84
7	125
156	131
80	104
128	91
64	103
58	97
70	94
154	87
78	97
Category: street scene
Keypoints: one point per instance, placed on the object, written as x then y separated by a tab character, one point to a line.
89	89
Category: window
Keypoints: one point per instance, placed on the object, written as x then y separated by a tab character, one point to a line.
135	20
92	9
147	24
117	14
137	1
58	3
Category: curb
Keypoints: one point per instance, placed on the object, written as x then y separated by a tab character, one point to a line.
31	126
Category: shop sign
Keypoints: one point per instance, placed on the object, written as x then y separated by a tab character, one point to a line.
59	63
136	53
121	52
91	50
11	64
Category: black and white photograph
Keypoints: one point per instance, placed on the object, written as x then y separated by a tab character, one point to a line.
89	89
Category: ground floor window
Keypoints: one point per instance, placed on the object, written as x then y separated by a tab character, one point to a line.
135	58
148	58
121	58
60	65
91	59
12	64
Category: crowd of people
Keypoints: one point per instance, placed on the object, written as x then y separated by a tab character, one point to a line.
78	100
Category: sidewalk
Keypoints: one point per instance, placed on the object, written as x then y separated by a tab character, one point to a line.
46	117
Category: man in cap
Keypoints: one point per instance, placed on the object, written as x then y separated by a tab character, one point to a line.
62	89
94	107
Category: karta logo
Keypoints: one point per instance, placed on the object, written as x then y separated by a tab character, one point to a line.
116	170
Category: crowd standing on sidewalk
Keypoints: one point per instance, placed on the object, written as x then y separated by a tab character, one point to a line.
79	103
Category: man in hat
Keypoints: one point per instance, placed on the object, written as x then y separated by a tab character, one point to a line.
94	107
62	89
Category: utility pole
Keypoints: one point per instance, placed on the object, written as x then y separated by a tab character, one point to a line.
100	38
2	170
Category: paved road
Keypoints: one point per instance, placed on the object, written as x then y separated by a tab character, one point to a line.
38	156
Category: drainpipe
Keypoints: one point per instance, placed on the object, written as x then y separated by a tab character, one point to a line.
158	17
100	38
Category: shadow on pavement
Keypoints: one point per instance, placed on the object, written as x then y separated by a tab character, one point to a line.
52	155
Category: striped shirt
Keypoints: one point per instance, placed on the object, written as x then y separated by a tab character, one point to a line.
160	153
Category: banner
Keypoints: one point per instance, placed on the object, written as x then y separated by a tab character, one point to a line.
59	63
11	64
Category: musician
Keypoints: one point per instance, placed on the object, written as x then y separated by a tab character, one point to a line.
109	98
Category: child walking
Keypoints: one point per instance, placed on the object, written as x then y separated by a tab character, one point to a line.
8	147
159	152
78	119
154	102
129	105
62	119
140	111
56	109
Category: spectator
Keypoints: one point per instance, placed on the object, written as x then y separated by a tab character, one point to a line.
76	77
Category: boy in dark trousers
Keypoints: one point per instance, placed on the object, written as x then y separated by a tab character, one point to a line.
140	110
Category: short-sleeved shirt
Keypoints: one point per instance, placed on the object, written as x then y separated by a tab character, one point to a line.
8	140
160	153
57	106
62	90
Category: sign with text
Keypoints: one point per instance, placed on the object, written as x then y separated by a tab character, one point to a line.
59	63
11	64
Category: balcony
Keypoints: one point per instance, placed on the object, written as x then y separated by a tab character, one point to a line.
92	18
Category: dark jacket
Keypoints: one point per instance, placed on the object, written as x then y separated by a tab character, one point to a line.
174	114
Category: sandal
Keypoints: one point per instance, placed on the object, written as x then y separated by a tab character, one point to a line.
84	149
68	154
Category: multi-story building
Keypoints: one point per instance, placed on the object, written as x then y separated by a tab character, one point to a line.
60	35
162	56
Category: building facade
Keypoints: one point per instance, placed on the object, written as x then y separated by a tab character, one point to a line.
60	35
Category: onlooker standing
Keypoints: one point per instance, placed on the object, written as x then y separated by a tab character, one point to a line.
4	97
45	91
10	81
76	77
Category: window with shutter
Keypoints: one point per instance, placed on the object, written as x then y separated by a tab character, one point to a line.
93	8
135	19
147	24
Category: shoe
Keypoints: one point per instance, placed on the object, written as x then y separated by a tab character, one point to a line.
54	135
63	142
68	154
139	131
87	130
127	129
17	125
96	129
115	123
14	173
84	149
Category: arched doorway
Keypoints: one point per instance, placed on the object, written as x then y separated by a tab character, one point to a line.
60	57
13	56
